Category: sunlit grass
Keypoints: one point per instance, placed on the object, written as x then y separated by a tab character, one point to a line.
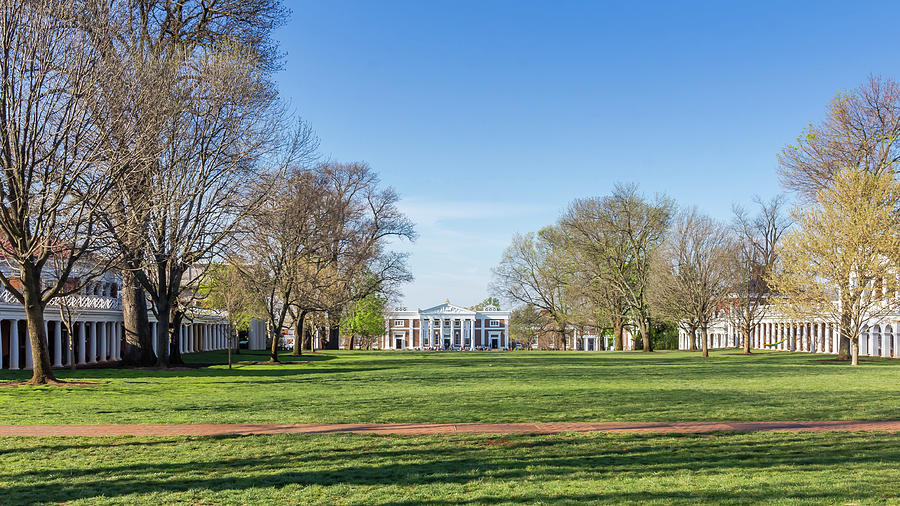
385	387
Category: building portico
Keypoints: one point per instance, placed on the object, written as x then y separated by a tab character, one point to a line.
447	326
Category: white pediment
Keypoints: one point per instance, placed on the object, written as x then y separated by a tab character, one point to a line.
447	308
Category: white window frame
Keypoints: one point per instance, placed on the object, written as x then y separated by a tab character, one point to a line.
399	323
494	323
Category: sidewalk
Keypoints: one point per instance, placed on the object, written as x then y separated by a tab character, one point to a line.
458	428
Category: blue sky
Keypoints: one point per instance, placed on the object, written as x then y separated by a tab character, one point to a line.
489	117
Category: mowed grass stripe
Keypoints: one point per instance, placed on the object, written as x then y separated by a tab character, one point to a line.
430	387
806	468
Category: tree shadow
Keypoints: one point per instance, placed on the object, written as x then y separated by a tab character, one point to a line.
609	468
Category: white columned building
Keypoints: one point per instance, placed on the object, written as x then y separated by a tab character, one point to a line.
446	327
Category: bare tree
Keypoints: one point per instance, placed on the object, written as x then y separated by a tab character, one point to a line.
156	50
53	176
861	130
281	232
757	253
361	219
695	269
630	229
597	264
531	271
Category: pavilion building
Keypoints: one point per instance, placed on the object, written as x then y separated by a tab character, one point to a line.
446	326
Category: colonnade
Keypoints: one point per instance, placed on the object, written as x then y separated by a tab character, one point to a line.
196	337
811	337
95	342
90	342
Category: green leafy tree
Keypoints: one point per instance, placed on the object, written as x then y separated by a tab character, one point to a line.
364	319
223	287
490	301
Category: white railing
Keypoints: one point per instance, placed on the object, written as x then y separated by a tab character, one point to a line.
73	301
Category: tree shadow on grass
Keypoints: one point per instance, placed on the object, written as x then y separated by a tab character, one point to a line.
598	468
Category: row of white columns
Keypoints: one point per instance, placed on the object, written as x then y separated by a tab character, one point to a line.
196	337
95	341
101	341
432	330
810	337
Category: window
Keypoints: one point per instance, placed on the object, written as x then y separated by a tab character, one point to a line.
495	323
399	323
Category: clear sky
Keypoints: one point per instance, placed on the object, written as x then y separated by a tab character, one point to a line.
488	117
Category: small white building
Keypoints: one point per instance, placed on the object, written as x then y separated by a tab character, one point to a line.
446	326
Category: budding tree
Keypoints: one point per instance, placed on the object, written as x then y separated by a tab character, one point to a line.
840	262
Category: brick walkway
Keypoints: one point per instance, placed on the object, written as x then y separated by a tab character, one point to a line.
437	428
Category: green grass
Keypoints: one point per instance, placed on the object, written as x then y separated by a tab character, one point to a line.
832	468
384	387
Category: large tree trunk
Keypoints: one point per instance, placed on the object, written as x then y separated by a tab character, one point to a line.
176	337
42	372
693	338
705	342
299	335
845	340
854	347
645	335
746	339
163	333
138	341
618	331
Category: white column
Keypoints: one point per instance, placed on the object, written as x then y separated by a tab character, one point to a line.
182	343
57	345
81	335
92	344
117	341
14	344
153	329
103	341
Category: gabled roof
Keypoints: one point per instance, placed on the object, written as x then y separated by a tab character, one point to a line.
446	308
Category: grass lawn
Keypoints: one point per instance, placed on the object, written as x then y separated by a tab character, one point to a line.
384	387
833	468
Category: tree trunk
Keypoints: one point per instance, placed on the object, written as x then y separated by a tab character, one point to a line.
854	347
693	337
138	341
747	339
705	342
844	340
42	372
163	333
273	350
298	335
645	334
177	337
618	328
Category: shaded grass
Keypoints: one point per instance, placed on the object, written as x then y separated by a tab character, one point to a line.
411	387
478	469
